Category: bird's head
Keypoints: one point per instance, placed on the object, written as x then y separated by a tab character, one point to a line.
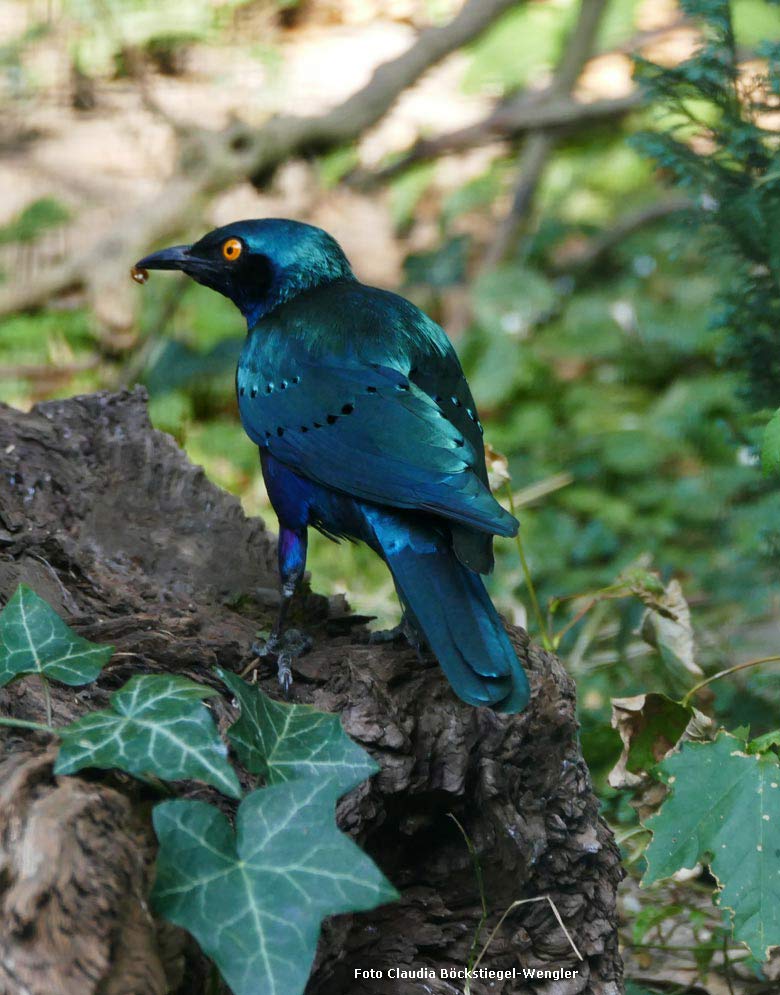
256	264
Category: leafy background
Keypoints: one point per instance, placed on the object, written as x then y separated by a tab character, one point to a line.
629	389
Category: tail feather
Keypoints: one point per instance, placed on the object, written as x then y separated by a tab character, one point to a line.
451	607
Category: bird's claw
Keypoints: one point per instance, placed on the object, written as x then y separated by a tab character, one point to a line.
267	648
286	647
284	673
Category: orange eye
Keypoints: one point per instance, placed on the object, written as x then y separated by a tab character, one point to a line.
231	250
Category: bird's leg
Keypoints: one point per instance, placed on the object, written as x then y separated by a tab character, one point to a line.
291	643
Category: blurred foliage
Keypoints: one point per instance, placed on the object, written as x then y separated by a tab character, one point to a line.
107	29
735	174
519	46
631	395
32	222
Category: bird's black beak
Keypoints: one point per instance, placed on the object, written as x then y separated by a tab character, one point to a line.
200	267
175	257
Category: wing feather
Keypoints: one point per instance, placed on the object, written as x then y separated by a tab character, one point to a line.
369	431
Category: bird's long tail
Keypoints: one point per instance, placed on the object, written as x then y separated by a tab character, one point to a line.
449	604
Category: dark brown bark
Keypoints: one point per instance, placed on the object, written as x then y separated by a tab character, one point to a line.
107	520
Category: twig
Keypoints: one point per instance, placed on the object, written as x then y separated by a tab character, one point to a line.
41	372
596	248
679	946
527	495
536	153
587	635
610	593
46	698
517	904
25	724
725	673
480	886
67	598
509	121
727	965
544	634
558	636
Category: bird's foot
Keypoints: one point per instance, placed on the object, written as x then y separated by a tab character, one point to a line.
403	631
286	647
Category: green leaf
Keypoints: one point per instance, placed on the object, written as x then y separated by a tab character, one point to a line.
444	266
333	166
254	900
724	808
157	724
510	300
35	640
770	445
281	742
518	48
763	743
34	220
407	190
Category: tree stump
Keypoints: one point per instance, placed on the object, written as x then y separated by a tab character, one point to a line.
107	520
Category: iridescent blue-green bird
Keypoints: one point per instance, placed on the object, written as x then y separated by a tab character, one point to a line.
367	429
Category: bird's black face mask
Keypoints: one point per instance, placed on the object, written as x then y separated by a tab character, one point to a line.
256	264
226	265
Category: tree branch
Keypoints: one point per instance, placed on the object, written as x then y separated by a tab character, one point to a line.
540	145
513	116
600	246
510	120
211	161
368	105
535	155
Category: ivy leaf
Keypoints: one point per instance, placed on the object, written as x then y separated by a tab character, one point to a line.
281	742
770	445
157	725
724	808
35	640
254	900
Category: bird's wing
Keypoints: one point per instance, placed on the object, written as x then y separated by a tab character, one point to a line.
367	430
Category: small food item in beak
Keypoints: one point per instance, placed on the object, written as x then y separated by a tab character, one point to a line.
139	275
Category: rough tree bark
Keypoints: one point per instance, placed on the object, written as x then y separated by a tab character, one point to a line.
107	520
